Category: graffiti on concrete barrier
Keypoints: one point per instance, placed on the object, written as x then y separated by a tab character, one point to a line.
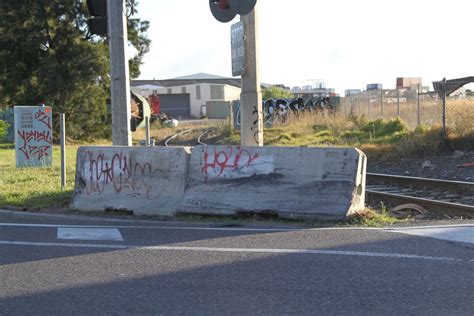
232	162
122	175
33	136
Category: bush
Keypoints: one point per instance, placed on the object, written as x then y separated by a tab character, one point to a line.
3	130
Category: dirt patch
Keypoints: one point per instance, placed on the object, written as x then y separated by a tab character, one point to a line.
451	166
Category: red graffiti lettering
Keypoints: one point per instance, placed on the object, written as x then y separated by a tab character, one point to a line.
37	151
44	118
219	161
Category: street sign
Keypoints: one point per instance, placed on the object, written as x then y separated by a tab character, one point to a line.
238	48
33	136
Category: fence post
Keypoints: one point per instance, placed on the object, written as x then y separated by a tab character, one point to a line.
352	105
381	102
418	118
62	127
359	111
368	103
398	102
444	109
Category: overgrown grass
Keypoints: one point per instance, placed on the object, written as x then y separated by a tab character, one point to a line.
373	218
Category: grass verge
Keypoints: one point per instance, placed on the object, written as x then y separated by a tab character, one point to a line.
35	188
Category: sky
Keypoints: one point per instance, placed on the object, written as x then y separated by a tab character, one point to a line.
346	43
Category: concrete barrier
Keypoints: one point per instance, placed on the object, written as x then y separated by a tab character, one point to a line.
145	180
293	182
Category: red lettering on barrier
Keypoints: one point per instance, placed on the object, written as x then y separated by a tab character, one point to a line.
219	161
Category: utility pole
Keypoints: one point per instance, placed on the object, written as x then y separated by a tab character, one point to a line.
120	83
251	131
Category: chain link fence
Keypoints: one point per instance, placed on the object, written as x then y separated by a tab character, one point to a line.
412	107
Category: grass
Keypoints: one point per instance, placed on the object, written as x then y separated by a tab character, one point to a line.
35	188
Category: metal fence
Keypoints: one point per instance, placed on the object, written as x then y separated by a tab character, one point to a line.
413	108
7	116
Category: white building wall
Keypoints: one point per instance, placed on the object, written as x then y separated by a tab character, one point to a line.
231	93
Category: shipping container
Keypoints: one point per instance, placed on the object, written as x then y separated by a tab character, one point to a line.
374	86
350	92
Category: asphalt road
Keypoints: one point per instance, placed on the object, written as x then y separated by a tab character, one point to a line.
93	267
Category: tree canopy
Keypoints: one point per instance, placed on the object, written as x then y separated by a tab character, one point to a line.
47	55
274	92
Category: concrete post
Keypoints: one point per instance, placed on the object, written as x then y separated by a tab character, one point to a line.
120	83
251	117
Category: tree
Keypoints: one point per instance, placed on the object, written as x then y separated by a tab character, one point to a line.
47	55
275	92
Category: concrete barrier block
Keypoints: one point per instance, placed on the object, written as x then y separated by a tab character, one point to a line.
293	182
145	180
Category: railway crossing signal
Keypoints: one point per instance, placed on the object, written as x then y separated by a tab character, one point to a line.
226	10
98	21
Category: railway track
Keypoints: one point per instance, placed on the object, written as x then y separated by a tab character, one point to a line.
438	196
432	195
198	140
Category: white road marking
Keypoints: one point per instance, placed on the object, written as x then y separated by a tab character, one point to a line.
461	234
85	233
238	250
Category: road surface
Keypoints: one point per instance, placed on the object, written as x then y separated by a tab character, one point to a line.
64	266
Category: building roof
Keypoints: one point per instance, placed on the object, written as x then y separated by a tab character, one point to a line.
199	76
188	80
192	79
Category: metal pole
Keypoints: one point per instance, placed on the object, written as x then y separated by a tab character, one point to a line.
381	101
418	118
251	131
147	130
62	127
352	106
398	102
120	84
444	109
368	103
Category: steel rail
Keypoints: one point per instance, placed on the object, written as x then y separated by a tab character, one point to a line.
200	136
407	184
403	181
431	205
176	135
